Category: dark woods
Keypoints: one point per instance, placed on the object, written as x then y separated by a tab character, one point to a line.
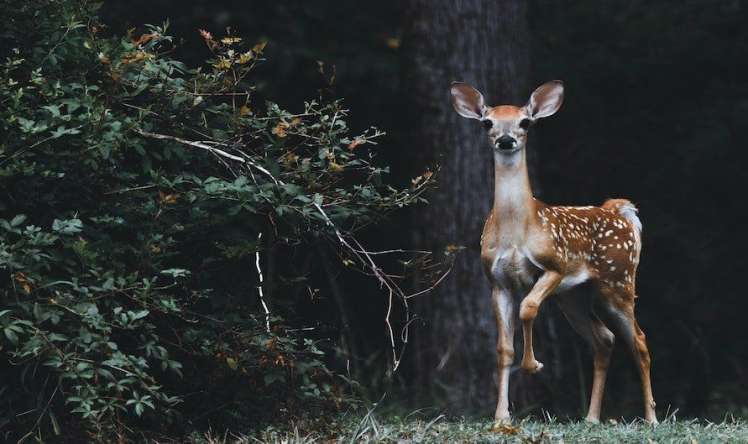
656	102
655	107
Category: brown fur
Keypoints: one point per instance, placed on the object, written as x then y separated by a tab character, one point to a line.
504	112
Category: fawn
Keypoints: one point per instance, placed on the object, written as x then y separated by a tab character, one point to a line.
531	250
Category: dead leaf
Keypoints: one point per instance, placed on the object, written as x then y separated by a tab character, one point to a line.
231	362
246	57
356	142
452	248
335	167
423	177
245	110
205	34
271	344
290	159
280	129
231	40
23	280
506	429
145	38
393	42
208	37
223	63
258	48
167	199
280	361
136	56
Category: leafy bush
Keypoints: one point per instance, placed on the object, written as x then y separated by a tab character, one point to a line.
140	197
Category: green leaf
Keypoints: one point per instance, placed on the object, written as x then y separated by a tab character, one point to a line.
176	272
18	220
69	226
11	335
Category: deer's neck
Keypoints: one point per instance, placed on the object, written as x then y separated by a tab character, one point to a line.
513	205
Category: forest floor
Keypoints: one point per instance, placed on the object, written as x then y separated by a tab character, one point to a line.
440	430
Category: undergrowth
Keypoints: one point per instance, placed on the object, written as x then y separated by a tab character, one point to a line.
439	429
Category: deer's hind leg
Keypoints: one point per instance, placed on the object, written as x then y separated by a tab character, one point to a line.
619	304
577	307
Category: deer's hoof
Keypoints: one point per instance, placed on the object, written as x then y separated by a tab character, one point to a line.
532	366
503	425
501	422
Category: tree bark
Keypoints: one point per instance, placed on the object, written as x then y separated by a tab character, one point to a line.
484	43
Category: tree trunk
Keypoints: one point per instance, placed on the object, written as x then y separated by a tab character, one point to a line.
484	43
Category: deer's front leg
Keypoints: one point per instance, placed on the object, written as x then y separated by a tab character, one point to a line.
504	308
528	310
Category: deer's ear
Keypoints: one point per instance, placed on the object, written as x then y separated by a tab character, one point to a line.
546	100
468	102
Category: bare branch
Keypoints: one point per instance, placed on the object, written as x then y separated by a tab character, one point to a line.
259	287
203	146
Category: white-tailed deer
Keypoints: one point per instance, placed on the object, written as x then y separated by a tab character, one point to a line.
531	250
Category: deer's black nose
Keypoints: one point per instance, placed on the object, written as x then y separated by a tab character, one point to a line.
505	142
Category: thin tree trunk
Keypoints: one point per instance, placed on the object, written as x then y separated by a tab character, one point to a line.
484	43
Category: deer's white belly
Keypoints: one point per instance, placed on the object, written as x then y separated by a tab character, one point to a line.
512	268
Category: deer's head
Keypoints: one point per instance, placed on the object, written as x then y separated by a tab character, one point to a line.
507	125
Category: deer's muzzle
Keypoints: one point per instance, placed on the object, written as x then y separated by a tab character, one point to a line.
506	143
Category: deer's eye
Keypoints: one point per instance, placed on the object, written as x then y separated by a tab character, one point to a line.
525	123
487	124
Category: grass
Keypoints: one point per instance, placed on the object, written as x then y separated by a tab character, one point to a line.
371	428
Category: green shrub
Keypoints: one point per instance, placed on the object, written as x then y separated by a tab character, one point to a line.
139	197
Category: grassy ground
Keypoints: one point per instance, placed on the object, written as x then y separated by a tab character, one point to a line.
370	428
